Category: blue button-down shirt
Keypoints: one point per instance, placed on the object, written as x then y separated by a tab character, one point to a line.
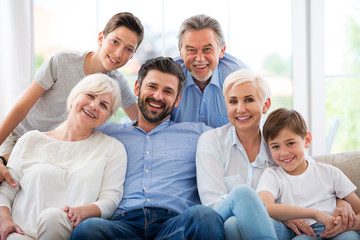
161	165
207	107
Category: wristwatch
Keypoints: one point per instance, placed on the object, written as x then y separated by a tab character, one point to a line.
4	160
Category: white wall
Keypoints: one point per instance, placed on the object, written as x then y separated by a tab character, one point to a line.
16	48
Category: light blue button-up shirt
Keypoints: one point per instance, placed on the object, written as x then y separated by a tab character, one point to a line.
222	164
161	165
207	107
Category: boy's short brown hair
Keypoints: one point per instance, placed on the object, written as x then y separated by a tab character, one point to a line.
128	20
284	118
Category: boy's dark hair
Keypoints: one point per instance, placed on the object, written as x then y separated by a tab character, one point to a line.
128	20
165	65
284	118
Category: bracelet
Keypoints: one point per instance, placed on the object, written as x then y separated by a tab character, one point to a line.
4	160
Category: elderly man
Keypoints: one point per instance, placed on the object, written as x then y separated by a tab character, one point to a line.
206	65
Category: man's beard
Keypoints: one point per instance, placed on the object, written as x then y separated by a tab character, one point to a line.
202	79
160	115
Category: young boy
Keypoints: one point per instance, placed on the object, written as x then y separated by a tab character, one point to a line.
299	187
43	104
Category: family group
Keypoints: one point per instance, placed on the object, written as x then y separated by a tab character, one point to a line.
197	161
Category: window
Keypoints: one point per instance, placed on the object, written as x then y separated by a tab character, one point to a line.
342	72
259	37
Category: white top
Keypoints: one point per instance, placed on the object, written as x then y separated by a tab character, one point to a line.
58	76
316	188
222	164
53	173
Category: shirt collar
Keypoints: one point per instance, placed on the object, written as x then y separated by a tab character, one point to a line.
158	128
215	80
235	139
264	153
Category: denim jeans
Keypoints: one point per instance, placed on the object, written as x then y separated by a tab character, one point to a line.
253	221
197	222
285	233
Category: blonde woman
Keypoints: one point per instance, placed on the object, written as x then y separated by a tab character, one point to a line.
230	159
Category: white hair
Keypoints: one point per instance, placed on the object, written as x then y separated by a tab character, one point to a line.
98	83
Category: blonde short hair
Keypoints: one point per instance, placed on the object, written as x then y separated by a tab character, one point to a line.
98	83
247	76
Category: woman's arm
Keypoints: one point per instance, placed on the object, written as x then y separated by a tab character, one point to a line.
113	178
7	196
7	224
210	171
6	176
346	212
299	226
353	200
111	190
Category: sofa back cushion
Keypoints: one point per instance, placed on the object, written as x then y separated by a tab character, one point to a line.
348	163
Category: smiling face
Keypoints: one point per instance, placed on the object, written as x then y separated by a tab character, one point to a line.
157	96
90	110
288	151
201	52
117	48
245	108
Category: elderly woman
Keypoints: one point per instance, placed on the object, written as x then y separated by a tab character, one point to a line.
230	159
68	174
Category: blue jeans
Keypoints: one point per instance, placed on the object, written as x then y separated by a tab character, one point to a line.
197	222
285	233
253	221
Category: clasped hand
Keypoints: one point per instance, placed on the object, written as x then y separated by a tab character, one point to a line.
343	219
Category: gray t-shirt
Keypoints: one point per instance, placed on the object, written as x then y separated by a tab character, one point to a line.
58	76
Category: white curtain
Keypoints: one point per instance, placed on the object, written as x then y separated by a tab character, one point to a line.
16	51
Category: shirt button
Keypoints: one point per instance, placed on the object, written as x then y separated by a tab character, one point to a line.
148	199
147	137
147	170
147	152
203	100
144	188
